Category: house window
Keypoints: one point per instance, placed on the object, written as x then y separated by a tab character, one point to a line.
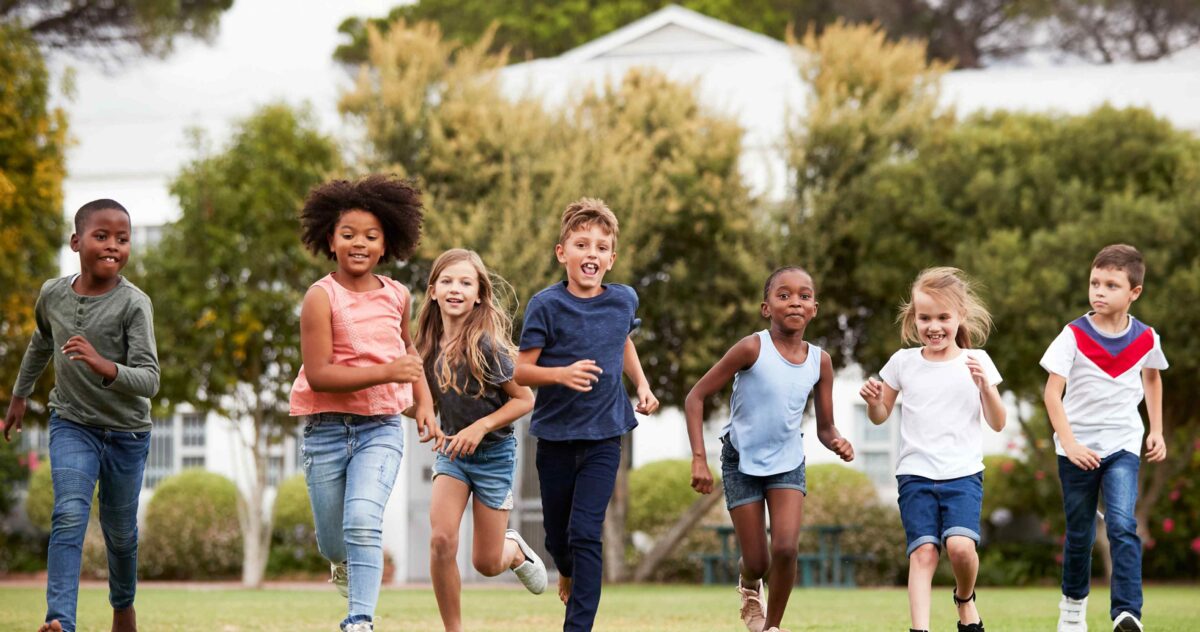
193	430
874	446
274	470
160	463
193	461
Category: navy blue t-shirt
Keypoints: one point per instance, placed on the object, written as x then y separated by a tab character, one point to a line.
568	329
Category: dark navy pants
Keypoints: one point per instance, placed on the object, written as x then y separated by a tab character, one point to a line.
577	479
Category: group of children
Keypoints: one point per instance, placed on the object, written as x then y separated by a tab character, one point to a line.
465	383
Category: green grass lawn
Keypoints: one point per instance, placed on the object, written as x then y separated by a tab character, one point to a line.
624	608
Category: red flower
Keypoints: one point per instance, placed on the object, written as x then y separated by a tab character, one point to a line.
1149	544
1196	545
1058	558
1174	495
1007	467
1039	475
1168	525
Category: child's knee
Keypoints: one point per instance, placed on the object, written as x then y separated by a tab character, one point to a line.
784	552
489	566
960	549
443	544
924	556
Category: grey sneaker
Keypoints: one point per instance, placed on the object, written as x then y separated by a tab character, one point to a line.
361	626
1072	614
1126	622
339	576
531	572
754	607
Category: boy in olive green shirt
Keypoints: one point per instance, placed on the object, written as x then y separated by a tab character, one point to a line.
99	330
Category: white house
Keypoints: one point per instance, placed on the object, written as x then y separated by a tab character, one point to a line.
130	132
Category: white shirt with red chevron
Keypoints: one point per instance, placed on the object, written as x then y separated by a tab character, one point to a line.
1104	382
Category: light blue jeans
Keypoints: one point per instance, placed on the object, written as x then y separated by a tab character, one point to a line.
79	457
350	465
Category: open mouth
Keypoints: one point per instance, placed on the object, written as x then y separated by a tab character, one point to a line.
108	259
453	300
938	337
590	269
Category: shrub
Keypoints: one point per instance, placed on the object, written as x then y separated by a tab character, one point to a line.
838	494
293	535
659	493
192	529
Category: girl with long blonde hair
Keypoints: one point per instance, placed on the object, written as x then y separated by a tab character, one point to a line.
465	338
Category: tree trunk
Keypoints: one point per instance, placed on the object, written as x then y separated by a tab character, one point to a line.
253	515
683	526
614	523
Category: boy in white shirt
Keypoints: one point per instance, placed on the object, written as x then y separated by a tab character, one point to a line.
1111	360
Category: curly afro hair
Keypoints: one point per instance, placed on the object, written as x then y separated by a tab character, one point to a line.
394	201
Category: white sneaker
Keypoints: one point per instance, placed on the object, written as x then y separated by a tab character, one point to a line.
754	607
361	626
1072	615
531	572
1126	622
339	576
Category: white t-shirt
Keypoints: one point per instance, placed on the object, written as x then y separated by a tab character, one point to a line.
1104	382
941	412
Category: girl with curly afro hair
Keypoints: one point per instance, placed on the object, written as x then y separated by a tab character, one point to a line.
360	373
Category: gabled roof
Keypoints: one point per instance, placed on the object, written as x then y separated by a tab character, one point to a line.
666	26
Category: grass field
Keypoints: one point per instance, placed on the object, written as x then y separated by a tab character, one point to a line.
629	608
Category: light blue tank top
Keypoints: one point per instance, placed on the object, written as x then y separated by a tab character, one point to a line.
767	407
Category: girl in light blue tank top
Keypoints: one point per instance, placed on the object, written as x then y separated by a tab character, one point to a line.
774	372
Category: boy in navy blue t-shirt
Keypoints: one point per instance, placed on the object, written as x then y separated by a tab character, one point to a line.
574	346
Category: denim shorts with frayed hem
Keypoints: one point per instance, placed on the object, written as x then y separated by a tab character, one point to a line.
742	488
488	473
933	510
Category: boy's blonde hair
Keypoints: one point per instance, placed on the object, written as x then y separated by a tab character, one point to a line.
950	286
485	337
587	212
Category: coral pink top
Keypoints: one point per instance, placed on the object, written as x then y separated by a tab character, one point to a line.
366	332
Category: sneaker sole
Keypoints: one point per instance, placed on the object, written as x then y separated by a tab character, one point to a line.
1127	625
530	556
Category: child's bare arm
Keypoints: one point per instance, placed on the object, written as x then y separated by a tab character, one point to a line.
1083	457
579	376
424	415
1156	444
827	432
520	402
741	356
647	402
316	347
880	399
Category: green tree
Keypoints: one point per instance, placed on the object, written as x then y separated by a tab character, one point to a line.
498	171
33	140
113	28
228	311
1022	202
967	33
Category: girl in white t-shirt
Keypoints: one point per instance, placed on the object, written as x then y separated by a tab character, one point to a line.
949	387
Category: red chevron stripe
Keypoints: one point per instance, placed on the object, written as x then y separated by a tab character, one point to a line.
1114	365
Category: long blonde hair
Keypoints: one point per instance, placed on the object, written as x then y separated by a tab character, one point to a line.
486	335
951	286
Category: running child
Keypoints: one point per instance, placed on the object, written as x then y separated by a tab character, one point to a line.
574	346
1107	361
774	373
98	328
949	388
465	338
360	373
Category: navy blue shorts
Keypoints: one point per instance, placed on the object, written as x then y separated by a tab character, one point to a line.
742	488
935	510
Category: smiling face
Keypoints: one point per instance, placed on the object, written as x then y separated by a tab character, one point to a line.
937	322
791	301
587	253
1110	292
357	242
456	289
103	244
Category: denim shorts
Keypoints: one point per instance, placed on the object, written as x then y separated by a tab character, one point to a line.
934	510
742	488
488	473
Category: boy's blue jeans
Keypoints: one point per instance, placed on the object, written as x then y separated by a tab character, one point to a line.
1117	480
79	457
577	479
350	465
